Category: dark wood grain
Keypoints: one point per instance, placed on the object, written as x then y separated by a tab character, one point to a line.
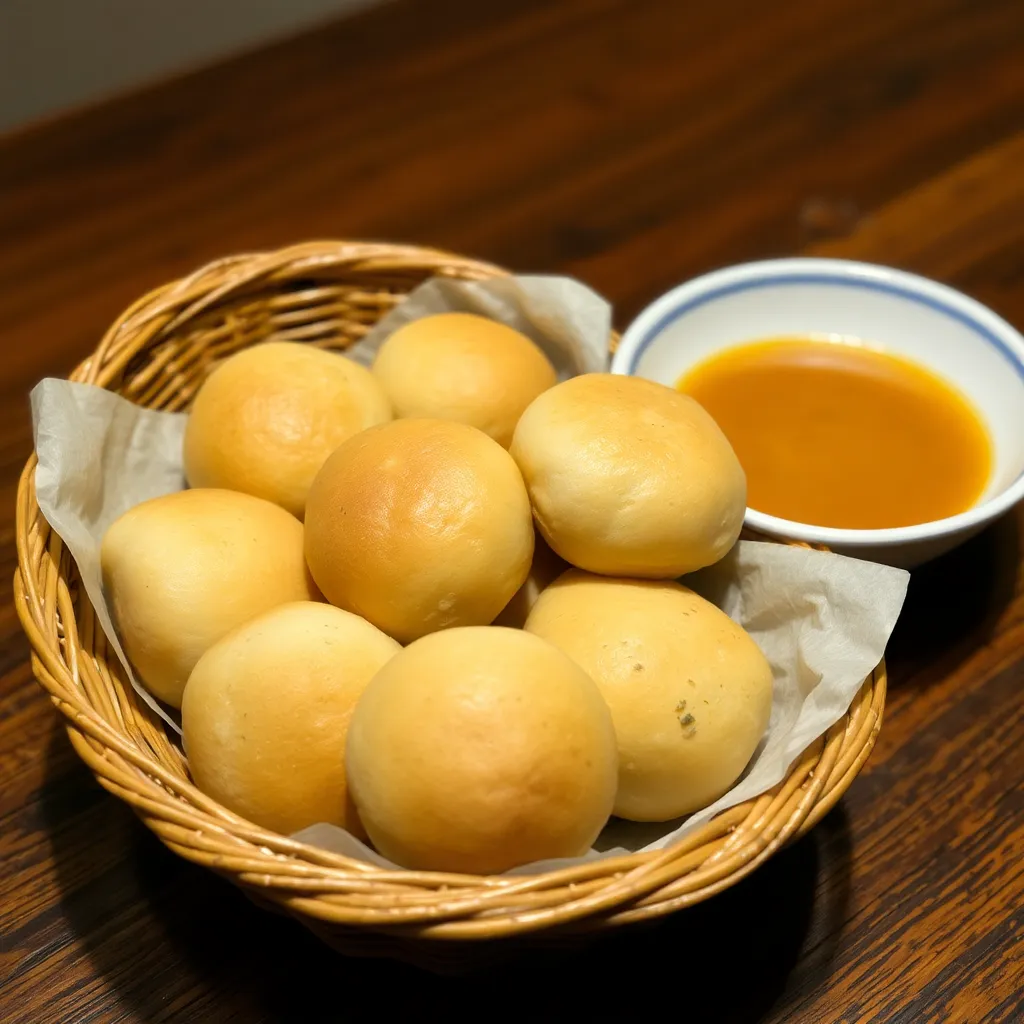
631	143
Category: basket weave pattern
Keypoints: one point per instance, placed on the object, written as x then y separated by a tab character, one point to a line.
157	354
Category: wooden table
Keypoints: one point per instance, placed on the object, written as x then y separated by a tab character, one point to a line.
633	144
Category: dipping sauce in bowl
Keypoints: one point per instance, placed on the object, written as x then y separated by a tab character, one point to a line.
910	412
837	434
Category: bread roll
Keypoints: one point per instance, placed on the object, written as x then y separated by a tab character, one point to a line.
629	478
463	367
182	570
544	570
266	419
689	691
479	749
266	711
419	525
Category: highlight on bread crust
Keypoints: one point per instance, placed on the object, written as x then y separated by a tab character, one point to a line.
419	525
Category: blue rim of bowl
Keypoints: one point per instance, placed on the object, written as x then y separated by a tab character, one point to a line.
856	275
844	280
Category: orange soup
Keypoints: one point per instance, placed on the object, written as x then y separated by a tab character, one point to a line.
835	434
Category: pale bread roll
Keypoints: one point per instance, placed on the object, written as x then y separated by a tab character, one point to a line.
629	478
266	419
419	525
182	570
689	690
463	367
479	749
266	712
544	570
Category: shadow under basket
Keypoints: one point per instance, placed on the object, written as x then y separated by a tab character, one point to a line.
157	354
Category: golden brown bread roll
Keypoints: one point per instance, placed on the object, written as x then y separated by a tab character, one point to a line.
463	367
629	478
419	525
266	419
689	690
479	749
266	712
182	570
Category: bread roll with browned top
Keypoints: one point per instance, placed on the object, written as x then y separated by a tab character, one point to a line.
419	525
476	750
463	367
629	478
266	419
182	570
266	713
689	691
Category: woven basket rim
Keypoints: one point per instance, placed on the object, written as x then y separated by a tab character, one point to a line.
127	749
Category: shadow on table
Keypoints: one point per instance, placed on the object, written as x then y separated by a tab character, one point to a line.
178	943
954	603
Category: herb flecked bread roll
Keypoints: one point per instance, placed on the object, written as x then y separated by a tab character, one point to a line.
690	692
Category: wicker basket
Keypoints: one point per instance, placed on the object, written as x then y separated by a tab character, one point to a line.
158	352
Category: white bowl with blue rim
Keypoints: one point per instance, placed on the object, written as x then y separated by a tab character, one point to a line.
938	327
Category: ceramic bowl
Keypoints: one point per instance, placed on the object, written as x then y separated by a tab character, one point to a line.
953	335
